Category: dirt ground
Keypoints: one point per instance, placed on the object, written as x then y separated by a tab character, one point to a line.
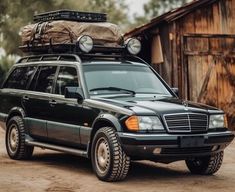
53	172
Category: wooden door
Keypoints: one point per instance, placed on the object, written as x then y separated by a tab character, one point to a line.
209	71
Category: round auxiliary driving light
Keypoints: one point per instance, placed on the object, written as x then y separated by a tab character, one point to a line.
133	46
85	43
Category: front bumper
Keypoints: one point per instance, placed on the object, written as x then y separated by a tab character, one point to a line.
183	146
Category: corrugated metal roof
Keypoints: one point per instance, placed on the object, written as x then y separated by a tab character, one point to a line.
170	16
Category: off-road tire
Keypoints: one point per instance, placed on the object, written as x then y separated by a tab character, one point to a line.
15	140
117	163
205	165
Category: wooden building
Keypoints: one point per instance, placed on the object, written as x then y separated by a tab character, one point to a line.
193	48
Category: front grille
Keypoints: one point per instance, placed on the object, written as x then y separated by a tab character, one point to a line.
169	151
186	122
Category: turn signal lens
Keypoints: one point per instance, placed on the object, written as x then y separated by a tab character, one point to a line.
225	121
132	123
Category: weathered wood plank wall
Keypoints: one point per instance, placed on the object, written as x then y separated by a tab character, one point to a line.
202	62
198	46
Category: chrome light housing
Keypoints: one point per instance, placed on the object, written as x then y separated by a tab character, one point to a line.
217	121
85	43
133	46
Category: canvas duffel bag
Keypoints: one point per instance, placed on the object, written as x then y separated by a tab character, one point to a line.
62	32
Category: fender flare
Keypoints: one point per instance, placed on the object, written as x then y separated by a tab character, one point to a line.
15	110
110	119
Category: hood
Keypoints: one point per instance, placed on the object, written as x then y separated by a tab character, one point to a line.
159	106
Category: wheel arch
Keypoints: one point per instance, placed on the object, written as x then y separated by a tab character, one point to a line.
15	111
103	120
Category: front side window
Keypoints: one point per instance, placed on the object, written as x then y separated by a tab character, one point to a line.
117	78
45	79
34	80
20	77
67	77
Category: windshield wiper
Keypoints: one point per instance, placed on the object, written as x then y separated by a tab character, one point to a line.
113	89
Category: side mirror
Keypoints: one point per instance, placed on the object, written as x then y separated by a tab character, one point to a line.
74	93
175	90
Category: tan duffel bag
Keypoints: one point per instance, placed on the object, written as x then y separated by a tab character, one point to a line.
63	32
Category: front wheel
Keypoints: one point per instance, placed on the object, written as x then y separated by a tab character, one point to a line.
109	161
205	165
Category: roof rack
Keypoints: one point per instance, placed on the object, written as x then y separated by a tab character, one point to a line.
69	48
71	16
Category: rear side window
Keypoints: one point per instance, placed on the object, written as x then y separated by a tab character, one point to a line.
67	77
45	79
20	77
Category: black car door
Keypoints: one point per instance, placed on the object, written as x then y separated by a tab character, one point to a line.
36	101
14	88
66	114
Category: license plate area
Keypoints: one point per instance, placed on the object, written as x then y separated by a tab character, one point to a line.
191	141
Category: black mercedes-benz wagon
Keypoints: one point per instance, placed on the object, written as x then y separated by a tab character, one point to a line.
111	108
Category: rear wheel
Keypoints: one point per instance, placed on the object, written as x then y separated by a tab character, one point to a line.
15	140
205	165
109	161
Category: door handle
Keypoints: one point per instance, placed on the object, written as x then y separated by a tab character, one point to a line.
25	98
52	102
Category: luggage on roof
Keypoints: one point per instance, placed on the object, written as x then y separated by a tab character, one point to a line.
54	31
62	32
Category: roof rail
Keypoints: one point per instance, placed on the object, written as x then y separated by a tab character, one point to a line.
79	58
121	57
49	57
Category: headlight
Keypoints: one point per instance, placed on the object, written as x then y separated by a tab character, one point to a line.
217	121
144	123
133	46
85	43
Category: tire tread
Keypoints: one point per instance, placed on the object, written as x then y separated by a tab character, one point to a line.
121	162
24	152
210	164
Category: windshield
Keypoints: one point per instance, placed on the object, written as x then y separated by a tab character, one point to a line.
122	78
